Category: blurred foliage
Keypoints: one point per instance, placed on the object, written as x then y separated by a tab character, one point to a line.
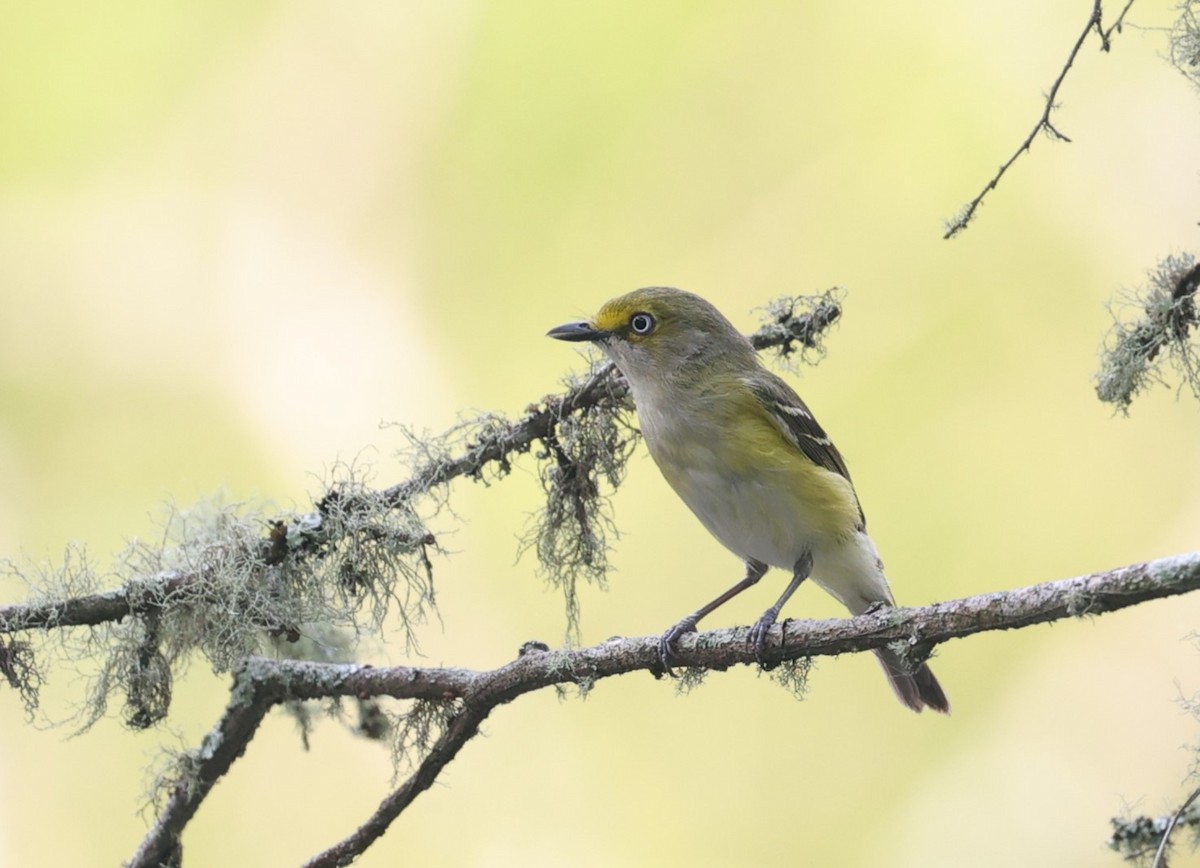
232	239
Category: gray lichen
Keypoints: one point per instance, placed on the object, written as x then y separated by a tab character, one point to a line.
792	676
796	325
213	584
225	581
1153	329
1185	41
414	730
583	460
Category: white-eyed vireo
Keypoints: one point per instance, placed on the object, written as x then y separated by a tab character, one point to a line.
746	455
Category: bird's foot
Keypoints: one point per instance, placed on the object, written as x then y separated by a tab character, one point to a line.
666	644
757	637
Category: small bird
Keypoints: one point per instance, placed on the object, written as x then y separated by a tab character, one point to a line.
747	456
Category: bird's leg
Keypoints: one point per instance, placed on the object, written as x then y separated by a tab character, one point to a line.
758	633
666	645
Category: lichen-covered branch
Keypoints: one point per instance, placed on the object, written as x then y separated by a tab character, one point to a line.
86	611
227	582
795	322
261	683
461	729
1156	331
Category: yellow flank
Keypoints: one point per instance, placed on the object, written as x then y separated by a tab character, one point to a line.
764	449
751	487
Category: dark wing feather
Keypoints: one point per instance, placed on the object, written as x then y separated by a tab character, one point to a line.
798	422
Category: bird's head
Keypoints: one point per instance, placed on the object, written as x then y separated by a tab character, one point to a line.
657	331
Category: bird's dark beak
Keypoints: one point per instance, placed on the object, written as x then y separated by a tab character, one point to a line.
576	331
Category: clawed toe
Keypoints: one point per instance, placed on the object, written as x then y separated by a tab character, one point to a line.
757	637
666	644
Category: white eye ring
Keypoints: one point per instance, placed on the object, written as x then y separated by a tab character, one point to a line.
641	323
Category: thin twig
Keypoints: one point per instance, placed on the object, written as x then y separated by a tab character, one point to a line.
1106	35
1044	124
1160	855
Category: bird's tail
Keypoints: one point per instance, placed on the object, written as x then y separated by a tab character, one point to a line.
852	572
917	689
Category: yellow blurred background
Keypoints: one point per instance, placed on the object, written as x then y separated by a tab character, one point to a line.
235	237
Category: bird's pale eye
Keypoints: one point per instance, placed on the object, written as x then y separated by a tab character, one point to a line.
641	323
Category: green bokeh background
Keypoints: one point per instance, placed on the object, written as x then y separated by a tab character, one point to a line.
234	237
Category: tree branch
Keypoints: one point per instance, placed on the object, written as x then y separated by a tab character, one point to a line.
262	683
1167	313
1044	124
795	322
91	609
461	730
